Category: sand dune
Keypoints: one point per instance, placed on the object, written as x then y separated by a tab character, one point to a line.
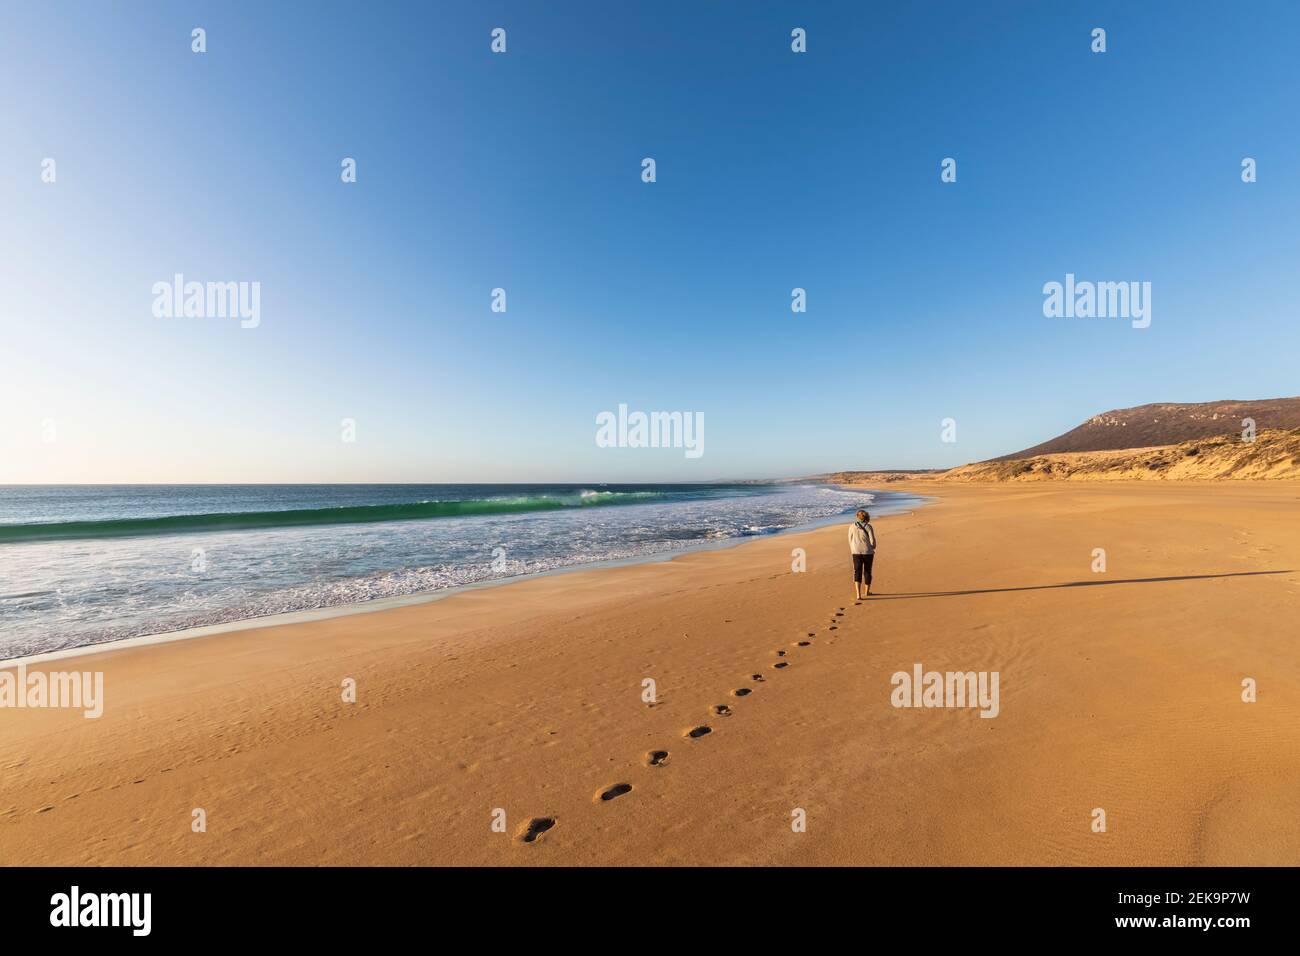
1274	455
1119	690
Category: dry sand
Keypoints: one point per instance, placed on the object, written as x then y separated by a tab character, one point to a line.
1119	691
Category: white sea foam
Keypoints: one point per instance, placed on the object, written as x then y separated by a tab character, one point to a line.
57	595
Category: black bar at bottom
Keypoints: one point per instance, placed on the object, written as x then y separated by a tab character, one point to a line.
332	905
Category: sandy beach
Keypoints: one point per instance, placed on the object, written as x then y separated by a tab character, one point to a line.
1119	690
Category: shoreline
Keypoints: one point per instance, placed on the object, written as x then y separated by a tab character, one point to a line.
1120	690
307	615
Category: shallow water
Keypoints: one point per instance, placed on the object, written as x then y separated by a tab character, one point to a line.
84	564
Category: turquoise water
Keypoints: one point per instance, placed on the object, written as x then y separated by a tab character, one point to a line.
85	564
232	520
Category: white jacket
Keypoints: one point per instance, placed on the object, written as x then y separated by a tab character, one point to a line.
862	538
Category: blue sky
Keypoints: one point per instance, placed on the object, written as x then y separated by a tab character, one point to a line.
522	171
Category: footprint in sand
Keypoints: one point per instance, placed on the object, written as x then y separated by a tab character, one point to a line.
757	677
656	758
780	653
805	644
781	664
721	710
696	732
535	828
833	628
741	692
617	790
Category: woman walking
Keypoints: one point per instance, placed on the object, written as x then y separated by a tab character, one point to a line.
862	546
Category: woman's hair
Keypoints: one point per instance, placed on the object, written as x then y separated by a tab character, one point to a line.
862	516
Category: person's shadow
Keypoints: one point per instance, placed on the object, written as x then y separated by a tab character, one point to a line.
1073	584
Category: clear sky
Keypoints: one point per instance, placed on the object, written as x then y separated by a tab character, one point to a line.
522	170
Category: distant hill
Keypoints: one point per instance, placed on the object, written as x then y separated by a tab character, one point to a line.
1273	454
877	477
1147	426
1181	442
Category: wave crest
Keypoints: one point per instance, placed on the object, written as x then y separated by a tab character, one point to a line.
306	517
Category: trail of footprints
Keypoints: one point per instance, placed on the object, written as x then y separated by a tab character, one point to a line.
533	831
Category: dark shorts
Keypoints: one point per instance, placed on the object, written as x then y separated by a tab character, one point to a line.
862	567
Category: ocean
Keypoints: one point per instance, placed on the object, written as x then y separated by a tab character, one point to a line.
84	564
